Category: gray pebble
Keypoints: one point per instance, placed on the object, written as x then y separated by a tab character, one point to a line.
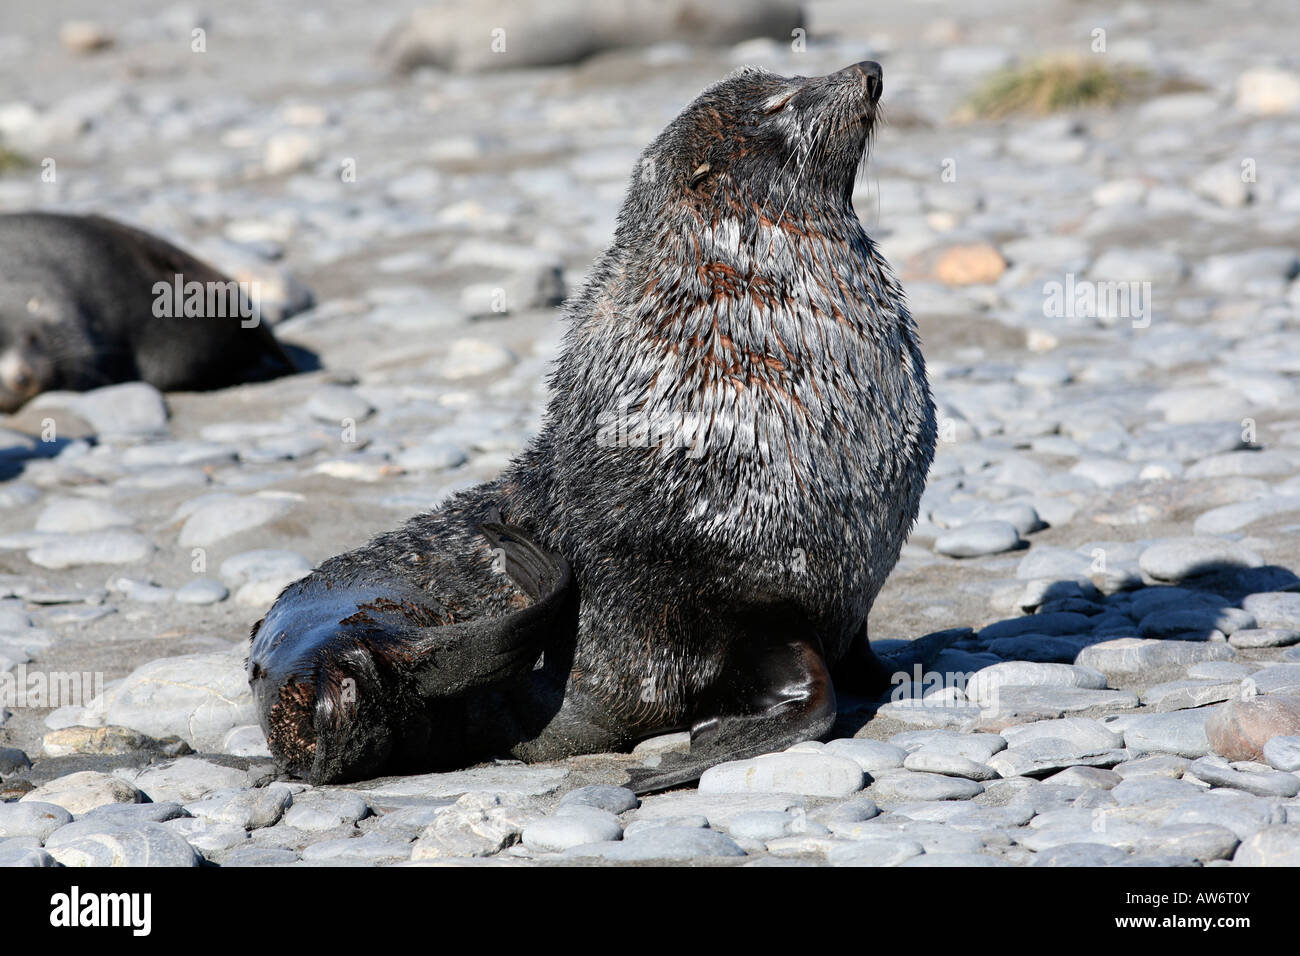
663	843
202	591
613	799
580	825
1283	753
325	810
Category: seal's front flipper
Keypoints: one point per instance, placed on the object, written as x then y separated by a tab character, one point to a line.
353	676
782	696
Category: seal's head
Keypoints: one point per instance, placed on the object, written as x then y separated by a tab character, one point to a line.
757	141
46	343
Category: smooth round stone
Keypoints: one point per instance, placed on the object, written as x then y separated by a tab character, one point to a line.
325	810
147	844
367	848
129	409
1277	679
96	547
689	821
978	538
338	403
202	591
433	456
1181	558
259	856
1283	753
1271	846
761	826
81	792
821	775
1201	841
1181	732
950	765
1093	777
870	755
1270	783
954	860
612	799
851	811
1183	694
208	838
261	565
77	515
14	854
1081	733
1158	765
1239	812
31	819
882	851
1195	623
1143	791
1265	637
1219	671
218	520
250	809
985	684
127	814
188	779
245	741
1080	854
1239	729
906	786
1133	659
1053	623
663	843
1279	609
202	696
579	826
976	747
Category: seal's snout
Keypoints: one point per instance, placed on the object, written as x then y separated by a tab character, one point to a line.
869	74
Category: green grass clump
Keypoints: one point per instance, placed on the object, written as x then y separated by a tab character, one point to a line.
1047	86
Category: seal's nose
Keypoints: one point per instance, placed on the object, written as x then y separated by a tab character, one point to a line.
870	75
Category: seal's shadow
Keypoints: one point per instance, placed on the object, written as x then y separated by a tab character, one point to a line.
14	459
1071	615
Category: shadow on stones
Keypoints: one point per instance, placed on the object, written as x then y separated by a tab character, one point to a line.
14	459
1069	616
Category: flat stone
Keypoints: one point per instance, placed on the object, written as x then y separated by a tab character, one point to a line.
1158	765
1093	777
250	809
885	851
369	848
1271	846
663	843
978	538
870	755
1279	609
903	786
1195	623
823	775
202	591
1265	637
1268	783
230	516
1184	694
1283	753
198	697
613	799
13	853
1182	732
1080	854
325	810
147	844
31	818
950	765
581	825
185	780
495	779
1239	812
718	809
98	547
986	684
1131	659
1180	559
81	792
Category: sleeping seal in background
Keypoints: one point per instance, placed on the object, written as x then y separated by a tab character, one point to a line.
86	301
733	456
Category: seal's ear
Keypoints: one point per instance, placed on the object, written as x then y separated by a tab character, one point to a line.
697	177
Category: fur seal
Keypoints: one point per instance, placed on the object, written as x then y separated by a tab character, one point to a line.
86	301
734	454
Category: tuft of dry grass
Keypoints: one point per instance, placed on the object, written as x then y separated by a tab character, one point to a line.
11	161
1050	85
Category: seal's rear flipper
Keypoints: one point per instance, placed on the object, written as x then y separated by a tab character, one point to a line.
783	697
350	675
